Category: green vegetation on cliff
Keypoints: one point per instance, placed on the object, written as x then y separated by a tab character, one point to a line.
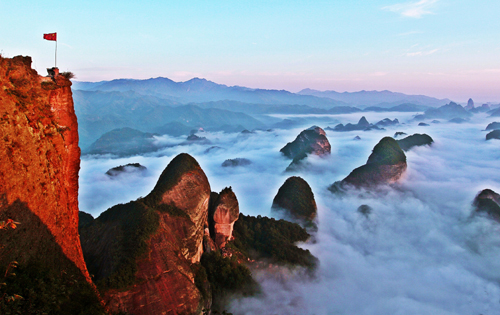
296	197
129	227
47	291
386	152
262	237
414	140
227	278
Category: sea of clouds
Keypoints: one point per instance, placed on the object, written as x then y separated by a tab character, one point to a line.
418	252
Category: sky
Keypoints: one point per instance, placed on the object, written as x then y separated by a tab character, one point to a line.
420	250
440	48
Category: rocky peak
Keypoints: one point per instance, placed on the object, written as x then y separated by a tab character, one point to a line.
157	242
309	141
470	104
223	212
385	165
296	198
414	140
363	122
386	152
488	201
182	184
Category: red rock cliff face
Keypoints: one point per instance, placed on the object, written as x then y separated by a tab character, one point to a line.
224	211
39	161
164	278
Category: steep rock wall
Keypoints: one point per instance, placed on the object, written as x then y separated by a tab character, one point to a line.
145	254
224	211
39	163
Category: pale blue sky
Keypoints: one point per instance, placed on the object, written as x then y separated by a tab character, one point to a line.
441	48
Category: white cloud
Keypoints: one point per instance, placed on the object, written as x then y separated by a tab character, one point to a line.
418	252
413	9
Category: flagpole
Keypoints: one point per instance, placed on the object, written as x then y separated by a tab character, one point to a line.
56	55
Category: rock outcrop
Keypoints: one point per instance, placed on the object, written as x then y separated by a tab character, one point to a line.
309	141
296	199
236	162
144	254
470	104
224	211
128	168
414	140
495	134
385	165
493	126
488	201
39	164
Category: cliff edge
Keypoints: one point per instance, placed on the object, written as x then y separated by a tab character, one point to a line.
39	164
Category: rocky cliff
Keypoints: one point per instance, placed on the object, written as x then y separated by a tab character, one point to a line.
39	164
296	199
385	165
223	212
145	254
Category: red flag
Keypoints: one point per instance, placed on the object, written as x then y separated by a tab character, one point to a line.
50	36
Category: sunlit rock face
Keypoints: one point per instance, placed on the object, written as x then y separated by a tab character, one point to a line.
309	141
385	165
39	164
296	199
488	201
144	254
223	212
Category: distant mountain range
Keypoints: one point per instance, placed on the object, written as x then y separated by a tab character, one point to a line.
377	98
163	106
99	112
200	90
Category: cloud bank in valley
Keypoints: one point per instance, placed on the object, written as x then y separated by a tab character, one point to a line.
418	251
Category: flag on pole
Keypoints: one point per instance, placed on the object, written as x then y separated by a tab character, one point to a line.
50	36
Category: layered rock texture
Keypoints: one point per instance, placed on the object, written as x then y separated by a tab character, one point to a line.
224	211
488	201
296	199
385	165
414	140
39	164
144	254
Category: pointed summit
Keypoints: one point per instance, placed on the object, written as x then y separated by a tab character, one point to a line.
363	122
470	104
